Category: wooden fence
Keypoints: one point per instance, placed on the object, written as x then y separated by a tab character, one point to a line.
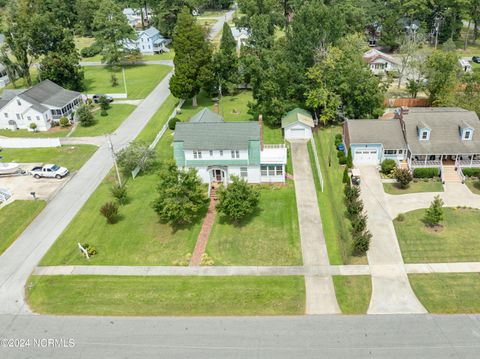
406	102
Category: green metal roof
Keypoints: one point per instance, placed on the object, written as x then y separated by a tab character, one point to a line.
297	114
206	115
216	135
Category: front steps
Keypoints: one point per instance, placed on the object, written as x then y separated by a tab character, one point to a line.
450	174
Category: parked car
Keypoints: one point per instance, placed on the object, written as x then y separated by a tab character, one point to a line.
476	59
96	98
49	171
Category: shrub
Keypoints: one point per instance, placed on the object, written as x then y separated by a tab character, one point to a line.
354	209
341	158
64	122
400	217
110	211
91	51
338	139
359	224
361	242
403	177
85	116
104	103
238	200
103	112
471	172
91	250
434	214
137	154
388	166
345	178
349	160
33	126
351	194
120	193
173	122
426	172
114	80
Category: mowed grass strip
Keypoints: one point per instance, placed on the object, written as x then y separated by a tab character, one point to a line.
270	236
72	157
457	241
413	187
141	79
149	296
353	293
116	114
52	132
14	218
448	293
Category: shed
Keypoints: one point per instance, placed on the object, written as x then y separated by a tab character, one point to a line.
297	124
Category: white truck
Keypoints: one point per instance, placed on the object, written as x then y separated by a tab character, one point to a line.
49	171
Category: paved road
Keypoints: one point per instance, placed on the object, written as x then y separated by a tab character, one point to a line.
22	256
320	293
391	291
392	337
218	26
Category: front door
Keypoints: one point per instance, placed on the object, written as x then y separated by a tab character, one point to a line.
218	175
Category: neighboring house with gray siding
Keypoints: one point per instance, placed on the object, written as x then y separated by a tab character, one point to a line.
218	150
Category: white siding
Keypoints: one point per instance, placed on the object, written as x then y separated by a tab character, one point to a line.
18	110
227	155
298	130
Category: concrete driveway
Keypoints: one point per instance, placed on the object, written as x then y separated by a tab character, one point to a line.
21	186
391	291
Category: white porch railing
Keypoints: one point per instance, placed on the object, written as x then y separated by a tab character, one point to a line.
4	195
280	145
460	174
425	164
467	163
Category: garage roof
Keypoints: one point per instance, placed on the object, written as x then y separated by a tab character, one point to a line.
297	115
387	132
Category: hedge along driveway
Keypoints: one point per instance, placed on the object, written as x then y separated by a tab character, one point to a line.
141	79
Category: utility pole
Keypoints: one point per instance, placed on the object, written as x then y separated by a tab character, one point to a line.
110	147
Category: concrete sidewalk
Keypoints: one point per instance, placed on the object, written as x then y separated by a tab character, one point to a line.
391	291
320	293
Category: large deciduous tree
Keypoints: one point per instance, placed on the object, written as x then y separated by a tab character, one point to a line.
441	75
193	58
225	63
238	200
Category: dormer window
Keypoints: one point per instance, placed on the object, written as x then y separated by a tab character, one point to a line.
467	135
424	135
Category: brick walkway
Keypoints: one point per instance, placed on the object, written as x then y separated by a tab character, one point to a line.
202	239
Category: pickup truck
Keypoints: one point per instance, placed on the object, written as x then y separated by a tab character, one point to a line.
49	171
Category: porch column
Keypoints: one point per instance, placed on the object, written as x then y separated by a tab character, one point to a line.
425	160
471	160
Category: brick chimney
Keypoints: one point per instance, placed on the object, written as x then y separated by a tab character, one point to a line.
215	107
260	123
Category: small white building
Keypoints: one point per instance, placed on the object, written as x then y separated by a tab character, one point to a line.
42	104
380	63
297	125
465	64
149	42
240	35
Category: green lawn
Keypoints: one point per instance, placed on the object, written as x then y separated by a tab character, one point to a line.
156	57
336	226
53	132
473	185
82	42
270	237
212	13
72	157
141	79
149	296
14	218
414	187
457	241
232	108
105	124
448	293
353	293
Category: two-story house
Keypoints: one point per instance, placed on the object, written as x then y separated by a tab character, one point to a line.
42	104
149	42
218	150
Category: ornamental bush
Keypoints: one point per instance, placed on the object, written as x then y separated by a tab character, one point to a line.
172	123
361	242
403	177
388	166
426	172
91	51
120	193
110	211
338	139
238	200
345	178
64	122
471	172
434	214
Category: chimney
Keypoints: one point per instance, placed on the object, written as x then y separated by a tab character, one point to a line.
260	123
215	107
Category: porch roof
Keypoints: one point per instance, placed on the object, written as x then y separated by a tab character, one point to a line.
387	132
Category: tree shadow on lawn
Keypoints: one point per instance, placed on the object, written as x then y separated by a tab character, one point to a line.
242	223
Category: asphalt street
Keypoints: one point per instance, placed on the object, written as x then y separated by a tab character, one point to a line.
333	336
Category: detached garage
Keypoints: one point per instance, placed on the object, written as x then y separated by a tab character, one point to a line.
371	141
297	125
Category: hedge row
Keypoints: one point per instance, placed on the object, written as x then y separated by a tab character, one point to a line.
471	172
426	172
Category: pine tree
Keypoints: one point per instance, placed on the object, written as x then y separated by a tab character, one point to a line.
226	62
193	56
434	214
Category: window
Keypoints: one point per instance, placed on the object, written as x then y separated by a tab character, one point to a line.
390	152
211	153
271	170
38	118
221	152
19	103
235	153
243	172
466	135
197	154
29	118
18	116
279	170
6	115
263	170
400	152
424	135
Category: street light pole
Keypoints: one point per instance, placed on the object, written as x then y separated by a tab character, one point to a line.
110	146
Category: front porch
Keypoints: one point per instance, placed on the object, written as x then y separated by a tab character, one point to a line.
437	161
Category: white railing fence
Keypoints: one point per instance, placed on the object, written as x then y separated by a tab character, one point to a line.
317	163
280	145
29	142
4	195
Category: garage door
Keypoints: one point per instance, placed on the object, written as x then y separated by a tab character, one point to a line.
297	132
366	156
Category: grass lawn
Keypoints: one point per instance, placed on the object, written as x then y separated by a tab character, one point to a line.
413	187
457	241
155	57
269	237
149	296
448	292
53	132
141	79
353	293
232	108
82	42
336	226
72	157
473	185
14	218
105	124
212	13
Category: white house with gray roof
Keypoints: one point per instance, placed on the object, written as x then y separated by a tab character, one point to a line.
42	104
218	150
431	137
149	42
